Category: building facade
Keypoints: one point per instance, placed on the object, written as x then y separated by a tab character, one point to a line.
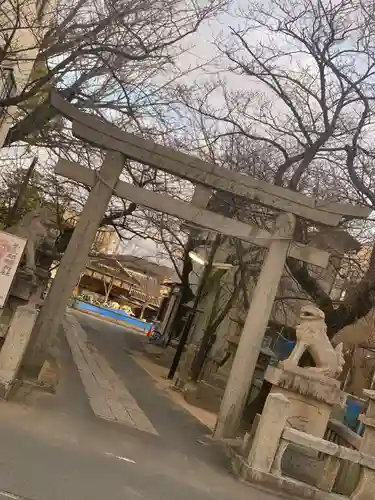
106	241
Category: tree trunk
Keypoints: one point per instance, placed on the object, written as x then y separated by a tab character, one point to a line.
13	215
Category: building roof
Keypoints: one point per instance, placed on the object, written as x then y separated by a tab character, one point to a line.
111	267
136	277
142	266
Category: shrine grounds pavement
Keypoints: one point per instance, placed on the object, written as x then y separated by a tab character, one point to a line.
53	447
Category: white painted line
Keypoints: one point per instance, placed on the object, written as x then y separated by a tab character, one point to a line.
6	494
108	396
124	459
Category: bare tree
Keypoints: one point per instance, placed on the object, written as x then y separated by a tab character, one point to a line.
107	56
115	60
305	97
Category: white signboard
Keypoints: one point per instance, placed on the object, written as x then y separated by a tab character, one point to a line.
11	251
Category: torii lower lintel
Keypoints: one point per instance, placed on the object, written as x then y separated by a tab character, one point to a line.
196	215
104	135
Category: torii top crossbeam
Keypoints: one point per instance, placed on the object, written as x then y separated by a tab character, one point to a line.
106	136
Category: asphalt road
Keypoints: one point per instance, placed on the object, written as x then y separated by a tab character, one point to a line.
53	447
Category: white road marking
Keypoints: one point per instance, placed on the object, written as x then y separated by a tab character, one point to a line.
6	494
124	459
108	396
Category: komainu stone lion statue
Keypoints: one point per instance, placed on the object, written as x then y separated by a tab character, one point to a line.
312	336
35	227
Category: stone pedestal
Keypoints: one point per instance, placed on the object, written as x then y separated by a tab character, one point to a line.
269	431
312	398
15	345
23	287
27	288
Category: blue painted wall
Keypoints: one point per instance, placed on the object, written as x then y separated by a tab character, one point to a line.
114	314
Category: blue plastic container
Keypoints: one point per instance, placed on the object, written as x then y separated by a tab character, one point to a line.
353	410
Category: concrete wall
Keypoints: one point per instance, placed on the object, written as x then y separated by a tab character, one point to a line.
214	298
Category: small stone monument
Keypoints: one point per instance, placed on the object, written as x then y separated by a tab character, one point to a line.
39	229
313	391
20	311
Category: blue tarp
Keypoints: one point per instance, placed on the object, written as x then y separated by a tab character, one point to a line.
354	407
115	314
283	348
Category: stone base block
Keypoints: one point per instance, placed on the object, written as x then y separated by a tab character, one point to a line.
49	374
280	485
24	285
312	398
15	345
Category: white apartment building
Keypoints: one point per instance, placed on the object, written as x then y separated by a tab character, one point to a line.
22	25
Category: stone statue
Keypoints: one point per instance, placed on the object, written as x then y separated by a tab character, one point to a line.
312	336
36	227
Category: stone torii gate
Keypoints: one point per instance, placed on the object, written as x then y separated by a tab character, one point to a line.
206	177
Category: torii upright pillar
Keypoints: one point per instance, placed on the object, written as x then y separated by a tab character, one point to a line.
74	260
241	375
